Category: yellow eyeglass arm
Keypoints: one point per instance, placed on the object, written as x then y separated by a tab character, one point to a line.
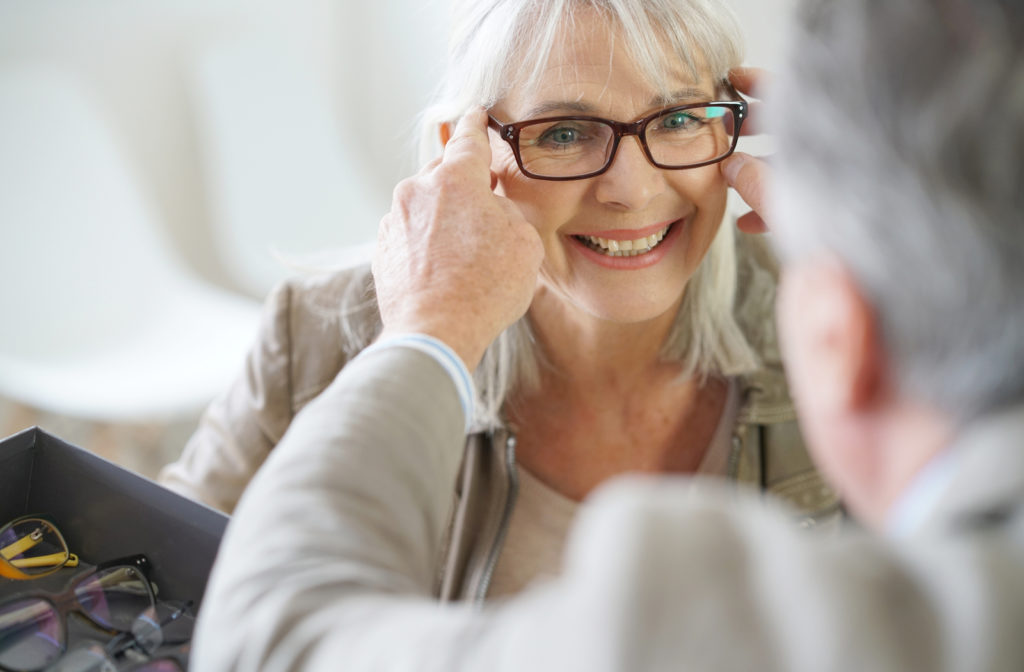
19	547
46	561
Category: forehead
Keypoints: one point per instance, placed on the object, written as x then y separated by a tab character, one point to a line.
591	69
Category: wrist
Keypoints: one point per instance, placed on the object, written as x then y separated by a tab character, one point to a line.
442	353
468	348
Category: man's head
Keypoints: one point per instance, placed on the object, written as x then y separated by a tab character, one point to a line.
900	193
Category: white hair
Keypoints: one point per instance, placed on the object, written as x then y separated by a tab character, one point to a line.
901	137
499	44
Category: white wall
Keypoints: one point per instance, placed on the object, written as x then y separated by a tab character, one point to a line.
372	62
375	63
764	24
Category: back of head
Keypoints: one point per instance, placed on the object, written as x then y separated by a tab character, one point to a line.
901	135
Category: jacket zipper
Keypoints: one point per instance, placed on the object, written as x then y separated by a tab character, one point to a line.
506	517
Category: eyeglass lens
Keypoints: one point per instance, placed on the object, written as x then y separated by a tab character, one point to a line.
32	632
678	138
114	597
33	546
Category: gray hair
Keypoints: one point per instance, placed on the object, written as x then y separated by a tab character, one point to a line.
499	44
901	136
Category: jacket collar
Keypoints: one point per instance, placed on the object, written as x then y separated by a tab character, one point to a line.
977	482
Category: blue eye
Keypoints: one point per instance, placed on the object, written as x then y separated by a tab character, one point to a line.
561	135
679	120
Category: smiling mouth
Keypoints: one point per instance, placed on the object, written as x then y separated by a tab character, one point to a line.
624	248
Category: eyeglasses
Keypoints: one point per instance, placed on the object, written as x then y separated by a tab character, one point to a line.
32	547
578	147
33	630
167	623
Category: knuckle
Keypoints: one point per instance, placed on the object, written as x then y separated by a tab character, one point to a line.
464	146
448	180
404	190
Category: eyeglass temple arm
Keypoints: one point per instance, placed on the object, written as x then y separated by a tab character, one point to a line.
46	561
27	542
731	90
19	547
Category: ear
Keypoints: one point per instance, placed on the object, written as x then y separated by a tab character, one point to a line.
445	130
830	336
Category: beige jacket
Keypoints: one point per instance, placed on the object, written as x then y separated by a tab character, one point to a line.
326	564
305	340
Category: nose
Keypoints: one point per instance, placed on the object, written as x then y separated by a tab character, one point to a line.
631	182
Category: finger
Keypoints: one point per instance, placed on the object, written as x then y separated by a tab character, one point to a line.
750	81
469	142
429	166
752	124
748	175
751	223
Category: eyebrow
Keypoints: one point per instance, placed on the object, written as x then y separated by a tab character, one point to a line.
690	94
678	97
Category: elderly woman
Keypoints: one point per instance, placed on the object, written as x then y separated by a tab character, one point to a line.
648	345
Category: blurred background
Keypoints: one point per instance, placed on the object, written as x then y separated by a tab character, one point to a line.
164	163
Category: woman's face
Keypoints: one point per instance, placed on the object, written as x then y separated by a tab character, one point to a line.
630	202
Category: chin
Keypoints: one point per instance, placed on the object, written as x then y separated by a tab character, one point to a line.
632	312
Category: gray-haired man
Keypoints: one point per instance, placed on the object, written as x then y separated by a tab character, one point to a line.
899	193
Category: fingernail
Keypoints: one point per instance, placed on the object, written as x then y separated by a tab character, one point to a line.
732	167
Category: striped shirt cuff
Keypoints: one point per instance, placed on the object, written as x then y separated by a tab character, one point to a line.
444	356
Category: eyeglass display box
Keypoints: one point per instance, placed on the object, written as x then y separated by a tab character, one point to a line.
105	511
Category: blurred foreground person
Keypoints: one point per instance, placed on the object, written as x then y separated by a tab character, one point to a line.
901	134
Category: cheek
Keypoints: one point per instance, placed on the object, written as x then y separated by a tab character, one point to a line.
704	187
707	191
547	205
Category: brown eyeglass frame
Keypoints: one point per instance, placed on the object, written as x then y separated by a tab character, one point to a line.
510	134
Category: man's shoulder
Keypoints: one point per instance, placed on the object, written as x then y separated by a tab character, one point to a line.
680	558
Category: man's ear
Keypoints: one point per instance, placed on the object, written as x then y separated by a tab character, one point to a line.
831	337
445	131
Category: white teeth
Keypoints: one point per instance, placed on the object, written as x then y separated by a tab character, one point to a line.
624	248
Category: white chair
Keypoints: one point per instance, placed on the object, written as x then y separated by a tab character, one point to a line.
286	193
100	320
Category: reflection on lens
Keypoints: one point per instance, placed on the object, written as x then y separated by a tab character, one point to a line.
114	597
692	136
31	636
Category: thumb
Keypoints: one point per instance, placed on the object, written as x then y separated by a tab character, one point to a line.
748	175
